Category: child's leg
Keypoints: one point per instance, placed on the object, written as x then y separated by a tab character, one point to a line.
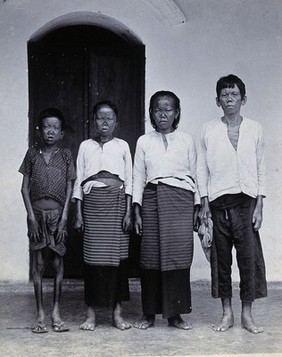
90	322
37	273
227	319
118	321
57	324
247	320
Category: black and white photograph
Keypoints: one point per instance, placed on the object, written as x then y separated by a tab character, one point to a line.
141	154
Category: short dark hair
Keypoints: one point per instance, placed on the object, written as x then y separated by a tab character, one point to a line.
229	82
164	93
105	103
50	112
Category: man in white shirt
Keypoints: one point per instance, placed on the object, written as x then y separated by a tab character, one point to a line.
231	180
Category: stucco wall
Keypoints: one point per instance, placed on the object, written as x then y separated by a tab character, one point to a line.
218	38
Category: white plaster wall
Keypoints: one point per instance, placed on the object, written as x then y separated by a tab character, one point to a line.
218	38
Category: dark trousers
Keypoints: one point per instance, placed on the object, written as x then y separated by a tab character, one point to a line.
233	227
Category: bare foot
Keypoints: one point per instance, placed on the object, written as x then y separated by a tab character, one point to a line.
146	322
226	322
121	324
118	321
89	323
249	324
177	321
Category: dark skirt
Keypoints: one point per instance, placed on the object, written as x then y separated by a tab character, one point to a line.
166	250
104	286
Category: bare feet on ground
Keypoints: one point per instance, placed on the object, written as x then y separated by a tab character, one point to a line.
89	323
118	321
145	322
249	324
177	321
226	322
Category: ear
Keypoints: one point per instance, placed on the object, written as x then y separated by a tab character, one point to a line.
244	100
217	102
177	114
62	134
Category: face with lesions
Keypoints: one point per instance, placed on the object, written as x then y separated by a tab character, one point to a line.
164	112
51	130
105	121
230	100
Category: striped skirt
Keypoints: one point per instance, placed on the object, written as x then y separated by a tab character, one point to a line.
166	250
167	241
105	243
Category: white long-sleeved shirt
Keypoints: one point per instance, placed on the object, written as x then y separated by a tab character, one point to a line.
174	165
114	156
223	170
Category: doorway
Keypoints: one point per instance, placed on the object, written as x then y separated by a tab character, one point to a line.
73	67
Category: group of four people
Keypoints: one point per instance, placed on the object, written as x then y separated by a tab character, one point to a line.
168	194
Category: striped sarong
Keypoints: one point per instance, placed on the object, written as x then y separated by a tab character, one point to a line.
167	240
166	250
105	243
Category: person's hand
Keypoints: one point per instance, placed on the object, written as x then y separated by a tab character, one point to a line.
62	231
204	213
127	222
78	223
138	225
34	230
196	219
257	217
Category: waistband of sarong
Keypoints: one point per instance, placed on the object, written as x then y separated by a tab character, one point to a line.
39	212
100	174
151	186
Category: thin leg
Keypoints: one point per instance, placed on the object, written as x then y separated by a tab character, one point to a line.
247	320
39	325
57	324
227	319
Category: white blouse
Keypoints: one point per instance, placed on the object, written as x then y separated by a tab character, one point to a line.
168	158
113	156
224	170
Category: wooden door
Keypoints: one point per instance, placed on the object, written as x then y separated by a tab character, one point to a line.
73	76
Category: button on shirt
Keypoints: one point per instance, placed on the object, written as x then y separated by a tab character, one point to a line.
224	170
167	158
113	156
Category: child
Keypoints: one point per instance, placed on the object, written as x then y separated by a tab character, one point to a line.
163	196
48	172
104	184
231	179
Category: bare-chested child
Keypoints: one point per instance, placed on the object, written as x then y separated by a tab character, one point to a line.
48	172
231	180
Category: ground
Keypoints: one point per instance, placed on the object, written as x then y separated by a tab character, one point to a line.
17	312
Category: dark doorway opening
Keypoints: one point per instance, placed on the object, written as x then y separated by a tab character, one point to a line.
72	68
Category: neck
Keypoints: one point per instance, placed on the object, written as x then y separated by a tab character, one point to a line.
104	139
165	131
50	148
232	120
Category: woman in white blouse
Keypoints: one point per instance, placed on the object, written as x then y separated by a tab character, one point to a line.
163	196
104	185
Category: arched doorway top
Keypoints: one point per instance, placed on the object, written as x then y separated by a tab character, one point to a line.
87	18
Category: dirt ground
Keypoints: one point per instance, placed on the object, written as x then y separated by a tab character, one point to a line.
17	310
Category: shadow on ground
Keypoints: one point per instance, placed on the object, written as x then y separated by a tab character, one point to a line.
18	311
